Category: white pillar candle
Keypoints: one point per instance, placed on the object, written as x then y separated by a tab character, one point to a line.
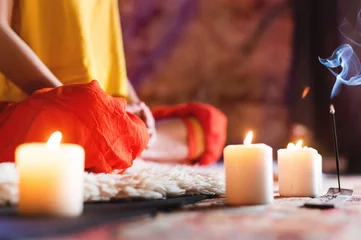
249	173
319	170
299	171
51	178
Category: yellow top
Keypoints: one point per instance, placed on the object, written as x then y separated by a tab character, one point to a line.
78	40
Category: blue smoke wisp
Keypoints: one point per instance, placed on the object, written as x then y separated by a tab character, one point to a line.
343	57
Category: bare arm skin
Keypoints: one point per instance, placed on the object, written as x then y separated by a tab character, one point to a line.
17	61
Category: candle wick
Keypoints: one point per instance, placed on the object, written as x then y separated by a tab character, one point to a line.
332	111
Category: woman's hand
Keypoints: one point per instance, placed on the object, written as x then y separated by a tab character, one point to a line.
142	110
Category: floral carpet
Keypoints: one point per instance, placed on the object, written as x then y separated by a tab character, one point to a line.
213	219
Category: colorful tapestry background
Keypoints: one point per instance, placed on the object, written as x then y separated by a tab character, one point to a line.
232	54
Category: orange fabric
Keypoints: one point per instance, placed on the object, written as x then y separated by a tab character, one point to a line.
86	115
198	136
196	139
213	121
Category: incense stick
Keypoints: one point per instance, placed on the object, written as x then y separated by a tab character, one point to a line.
332	111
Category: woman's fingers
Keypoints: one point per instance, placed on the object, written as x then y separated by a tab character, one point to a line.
147	116
134	108
142	110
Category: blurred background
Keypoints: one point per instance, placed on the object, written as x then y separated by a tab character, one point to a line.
255	60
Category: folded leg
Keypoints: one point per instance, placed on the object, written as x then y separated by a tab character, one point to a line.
188	133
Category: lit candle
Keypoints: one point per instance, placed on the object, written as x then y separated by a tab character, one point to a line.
249	173
51	178
299	171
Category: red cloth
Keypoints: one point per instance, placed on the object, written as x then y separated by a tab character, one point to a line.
86	115
213	121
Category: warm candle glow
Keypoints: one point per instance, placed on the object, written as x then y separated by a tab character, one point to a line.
305	92
54	140
248	163
248	139
291	146
299	170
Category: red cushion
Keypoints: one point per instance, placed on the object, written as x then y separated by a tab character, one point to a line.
86	115
213	121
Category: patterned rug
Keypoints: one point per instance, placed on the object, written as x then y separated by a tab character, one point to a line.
213	219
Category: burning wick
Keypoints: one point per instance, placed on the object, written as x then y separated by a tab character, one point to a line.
332	111
305	92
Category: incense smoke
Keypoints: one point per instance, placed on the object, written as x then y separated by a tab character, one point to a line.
343	57
346	58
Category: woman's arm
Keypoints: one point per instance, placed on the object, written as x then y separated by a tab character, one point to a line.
138	107
17	61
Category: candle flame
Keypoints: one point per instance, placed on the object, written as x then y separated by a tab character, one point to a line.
291	145
54	140
305	92
248	139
